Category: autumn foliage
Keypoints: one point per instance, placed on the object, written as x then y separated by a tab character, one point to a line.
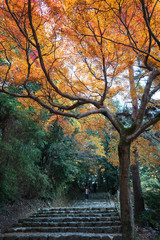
74	56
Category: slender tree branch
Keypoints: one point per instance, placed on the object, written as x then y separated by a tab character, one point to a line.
154	90
148	23
127	45
43	65
9	63
105	80
18	25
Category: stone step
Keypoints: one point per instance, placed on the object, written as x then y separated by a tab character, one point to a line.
79	211
79	208
76	209
111	229
61	236
76	214
67	224
70	219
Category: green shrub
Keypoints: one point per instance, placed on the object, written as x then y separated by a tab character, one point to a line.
151	191
20	174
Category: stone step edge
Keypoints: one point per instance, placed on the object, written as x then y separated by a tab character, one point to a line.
61	219
112	229
65	219
73	216
78	208
76	213
103	223
48	236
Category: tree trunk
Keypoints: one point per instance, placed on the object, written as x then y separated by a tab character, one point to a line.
138	197
127	218
6	127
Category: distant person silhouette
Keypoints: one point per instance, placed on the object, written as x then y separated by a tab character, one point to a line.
86	192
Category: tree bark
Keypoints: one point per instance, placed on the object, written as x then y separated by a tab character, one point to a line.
138	197
127	218
6	127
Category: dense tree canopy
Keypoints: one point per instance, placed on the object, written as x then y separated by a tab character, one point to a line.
57	54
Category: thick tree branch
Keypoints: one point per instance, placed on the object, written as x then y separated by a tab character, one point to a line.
113	119
146	97
52	110
144	127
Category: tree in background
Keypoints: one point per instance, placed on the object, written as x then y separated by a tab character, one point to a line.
59	158
75	53
20	154
34	163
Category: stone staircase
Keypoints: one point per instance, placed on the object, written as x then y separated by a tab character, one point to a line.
85	220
